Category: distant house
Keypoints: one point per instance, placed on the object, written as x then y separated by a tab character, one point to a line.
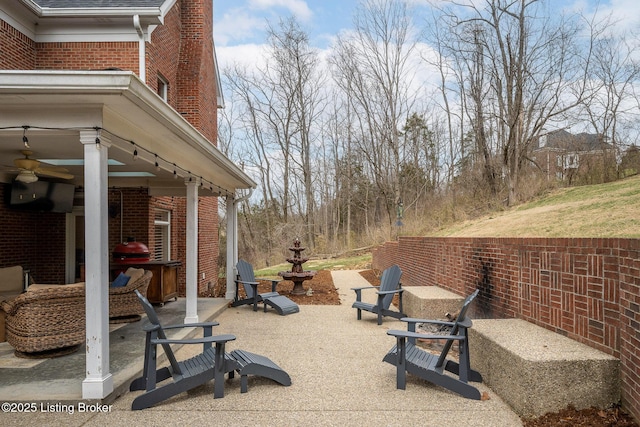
568	157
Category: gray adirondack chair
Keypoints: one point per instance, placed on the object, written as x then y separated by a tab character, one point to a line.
212	364
389	286
247	279
408	357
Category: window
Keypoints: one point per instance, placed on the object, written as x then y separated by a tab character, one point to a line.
571	161
163	87
162	235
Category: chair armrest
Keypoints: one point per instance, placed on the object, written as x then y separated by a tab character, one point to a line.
406	334
395	291
269	279
191	325
274	282
358	291
204	340
365	287
246	282
466	323
430	321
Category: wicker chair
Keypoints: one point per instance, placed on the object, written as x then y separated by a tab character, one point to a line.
124	306
46	321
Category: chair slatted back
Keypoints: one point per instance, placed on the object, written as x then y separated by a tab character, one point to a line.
156	329
462	317
390	281
245	272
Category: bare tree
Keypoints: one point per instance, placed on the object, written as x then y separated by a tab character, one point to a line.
613	108
297	80
372	65
536	66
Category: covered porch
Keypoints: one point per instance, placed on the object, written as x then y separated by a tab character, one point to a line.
60	379
108	129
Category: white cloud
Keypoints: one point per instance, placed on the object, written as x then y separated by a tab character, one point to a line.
237	25
624	14
296	7
248	55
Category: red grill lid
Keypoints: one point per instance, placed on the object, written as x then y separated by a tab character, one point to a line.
132	250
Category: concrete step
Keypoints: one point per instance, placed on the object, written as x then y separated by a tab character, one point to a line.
537	371
430	302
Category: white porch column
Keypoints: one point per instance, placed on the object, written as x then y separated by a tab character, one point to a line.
98	382
232	246
192	251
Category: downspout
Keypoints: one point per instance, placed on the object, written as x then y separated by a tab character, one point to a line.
142	64
232	242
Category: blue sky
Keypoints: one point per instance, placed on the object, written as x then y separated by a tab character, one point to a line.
243	22
239	25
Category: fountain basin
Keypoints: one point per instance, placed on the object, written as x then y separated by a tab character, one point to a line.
297	278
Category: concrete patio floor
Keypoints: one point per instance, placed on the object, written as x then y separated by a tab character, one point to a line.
335	363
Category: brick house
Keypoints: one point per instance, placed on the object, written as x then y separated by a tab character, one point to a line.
124	97
569	157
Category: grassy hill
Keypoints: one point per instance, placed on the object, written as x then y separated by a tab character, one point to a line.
605	210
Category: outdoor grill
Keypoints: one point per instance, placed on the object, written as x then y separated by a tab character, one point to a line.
131	252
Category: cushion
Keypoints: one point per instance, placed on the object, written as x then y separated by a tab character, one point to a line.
12	280
120	281
38	286
134	273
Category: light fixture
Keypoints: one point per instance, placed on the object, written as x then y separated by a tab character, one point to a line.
97	137
27	176
25	140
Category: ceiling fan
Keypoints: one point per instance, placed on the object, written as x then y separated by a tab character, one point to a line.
31	168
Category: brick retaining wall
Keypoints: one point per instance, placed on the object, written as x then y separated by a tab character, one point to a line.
586	289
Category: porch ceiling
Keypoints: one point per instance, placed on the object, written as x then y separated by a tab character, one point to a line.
57	105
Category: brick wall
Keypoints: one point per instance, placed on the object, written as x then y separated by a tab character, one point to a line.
163	54
34	240
208	245
208	249
586	289
17	51
87	56
196	73
181	51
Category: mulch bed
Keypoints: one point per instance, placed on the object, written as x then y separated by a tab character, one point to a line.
592	417
320	290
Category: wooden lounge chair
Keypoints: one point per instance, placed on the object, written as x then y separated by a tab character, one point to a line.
211	364
246	277
407	357
389	286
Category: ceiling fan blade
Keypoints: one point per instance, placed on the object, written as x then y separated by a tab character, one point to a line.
44	169
27	164
54	172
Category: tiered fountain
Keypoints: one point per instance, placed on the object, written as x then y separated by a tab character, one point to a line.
297	275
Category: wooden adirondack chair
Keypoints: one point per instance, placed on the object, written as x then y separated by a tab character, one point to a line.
407	357
247	279
211	364
389	286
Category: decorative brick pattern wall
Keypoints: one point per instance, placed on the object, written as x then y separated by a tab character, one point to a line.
586	289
